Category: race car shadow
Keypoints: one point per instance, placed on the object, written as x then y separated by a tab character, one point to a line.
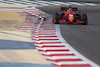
11	44
70	24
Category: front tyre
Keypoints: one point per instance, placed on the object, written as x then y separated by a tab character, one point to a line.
84	19
55	18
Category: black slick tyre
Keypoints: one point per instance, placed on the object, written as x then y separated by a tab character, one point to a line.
55	16
84	19
74	18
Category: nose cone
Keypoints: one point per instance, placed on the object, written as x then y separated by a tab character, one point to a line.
71	17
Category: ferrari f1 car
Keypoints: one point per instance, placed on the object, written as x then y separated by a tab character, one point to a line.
69	15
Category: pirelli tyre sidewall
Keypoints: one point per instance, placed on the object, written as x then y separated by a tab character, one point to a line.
74	18
55	16
84	19
66	18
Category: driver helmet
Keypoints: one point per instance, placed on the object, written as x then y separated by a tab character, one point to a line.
70	10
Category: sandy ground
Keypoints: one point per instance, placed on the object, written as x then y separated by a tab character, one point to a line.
10	20
16	46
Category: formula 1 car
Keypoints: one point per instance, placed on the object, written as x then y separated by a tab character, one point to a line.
69	15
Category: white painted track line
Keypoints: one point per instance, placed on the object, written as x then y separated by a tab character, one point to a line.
74	62
49	44
53	48
62	57
60	52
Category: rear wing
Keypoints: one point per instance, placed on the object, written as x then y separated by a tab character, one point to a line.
74	9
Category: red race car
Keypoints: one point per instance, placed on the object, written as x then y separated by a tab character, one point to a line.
69	15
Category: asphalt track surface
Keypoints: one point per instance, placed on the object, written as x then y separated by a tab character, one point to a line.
83	38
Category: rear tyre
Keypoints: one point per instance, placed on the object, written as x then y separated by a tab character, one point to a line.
66	18
55	18
84	19
74	18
